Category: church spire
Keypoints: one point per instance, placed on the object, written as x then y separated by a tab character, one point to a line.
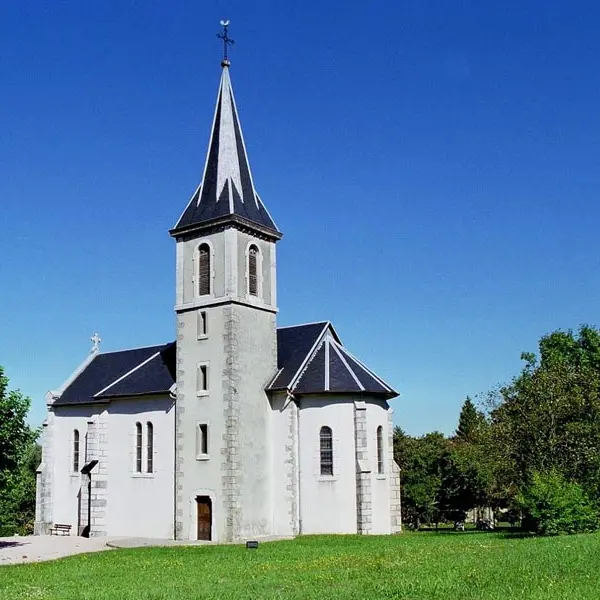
226	193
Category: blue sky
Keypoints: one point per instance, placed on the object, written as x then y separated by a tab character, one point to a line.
434	167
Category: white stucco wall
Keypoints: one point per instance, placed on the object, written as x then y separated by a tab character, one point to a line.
65	482
140	504
137	504
327	504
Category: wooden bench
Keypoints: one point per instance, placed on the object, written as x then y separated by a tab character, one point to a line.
60	528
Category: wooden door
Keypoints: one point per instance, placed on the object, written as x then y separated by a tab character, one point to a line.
204	512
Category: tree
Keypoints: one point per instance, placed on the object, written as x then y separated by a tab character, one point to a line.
420	460
467	480
467	473
548	418
552	506
470	422
19	457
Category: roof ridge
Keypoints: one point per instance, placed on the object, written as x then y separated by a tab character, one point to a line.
303	324
307	358
313	356
136	348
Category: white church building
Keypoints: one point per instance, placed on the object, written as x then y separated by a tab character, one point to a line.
238	429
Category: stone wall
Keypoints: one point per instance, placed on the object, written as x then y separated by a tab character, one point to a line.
44	479
394	470
364	507
231	464
99	476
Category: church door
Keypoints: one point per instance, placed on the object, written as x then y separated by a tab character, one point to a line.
204	512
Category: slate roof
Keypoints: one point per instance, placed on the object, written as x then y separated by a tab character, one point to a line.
227	190
140	371
294	344
310	360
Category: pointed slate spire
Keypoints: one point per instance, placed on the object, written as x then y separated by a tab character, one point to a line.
227	191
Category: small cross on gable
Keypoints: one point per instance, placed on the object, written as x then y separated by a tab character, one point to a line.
96	340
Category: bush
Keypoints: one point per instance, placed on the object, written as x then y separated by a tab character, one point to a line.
552	505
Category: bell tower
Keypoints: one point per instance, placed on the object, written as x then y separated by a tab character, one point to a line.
226	305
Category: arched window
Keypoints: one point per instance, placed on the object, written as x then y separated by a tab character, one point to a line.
253	271
326	443
138	447
76	450
203	270
380	461
150	447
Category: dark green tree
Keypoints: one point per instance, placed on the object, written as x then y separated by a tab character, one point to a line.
421	460
19	457
470	422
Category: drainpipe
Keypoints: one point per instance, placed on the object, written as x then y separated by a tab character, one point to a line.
291	396
173	396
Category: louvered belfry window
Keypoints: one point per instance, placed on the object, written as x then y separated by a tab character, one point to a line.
253	271
203	270
380	461
326	443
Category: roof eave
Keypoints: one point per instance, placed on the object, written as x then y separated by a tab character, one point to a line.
110	397
225	220
386	395
80	402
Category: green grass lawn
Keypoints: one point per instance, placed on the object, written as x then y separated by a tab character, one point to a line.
428	566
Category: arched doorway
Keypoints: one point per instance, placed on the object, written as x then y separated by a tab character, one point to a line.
204	517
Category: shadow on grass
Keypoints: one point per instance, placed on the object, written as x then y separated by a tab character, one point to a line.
503	532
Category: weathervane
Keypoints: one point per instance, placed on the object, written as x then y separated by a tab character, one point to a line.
227	41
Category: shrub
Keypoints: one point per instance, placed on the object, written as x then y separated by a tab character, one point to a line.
552	505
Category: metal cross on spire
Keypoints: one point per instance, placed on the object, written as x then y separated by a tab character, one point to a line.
227	41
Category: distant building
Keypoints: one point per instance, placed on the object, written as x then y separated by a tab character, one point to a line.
237	429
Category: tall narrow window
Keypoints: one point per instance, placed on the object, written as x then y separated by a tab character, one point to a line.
138	447
202	379
75	450
150	447
326	442
253	271
380	461
203	270
202	440
202	325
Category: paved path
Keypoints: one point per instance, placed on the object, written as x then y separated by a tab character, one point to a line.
37	548
30	548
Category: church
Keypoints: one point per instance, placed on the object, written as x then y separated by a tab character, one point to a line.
238	429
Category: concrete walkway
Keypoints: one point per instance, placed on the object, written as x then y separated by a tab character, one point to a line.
36	548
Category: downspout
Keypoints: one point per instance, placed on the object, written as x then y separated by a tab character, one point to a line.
173	396
290	396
